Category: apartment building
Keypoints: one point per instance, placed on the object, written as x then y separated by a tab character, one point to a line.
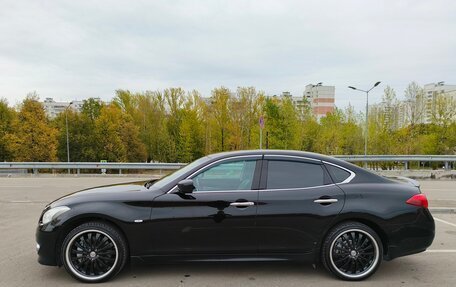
54	108
431	91
321	99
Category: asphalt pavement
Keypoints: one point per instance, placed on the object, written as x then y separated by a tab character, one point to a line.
22	199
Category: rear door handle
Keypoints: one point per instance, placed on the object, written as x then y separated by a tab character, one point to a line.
325	200
242	204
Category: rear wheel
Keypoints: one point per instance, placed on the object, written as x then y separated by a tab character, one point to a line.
94	252
352	251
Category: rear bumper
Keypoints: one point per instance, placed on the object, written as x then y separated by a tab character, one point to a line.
46	247
411	238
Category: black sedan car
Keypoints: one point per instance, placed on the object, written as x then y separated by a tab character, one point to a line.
246	205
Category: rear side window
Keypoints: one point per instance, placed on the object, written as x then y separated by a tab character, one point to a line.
293	174
337	174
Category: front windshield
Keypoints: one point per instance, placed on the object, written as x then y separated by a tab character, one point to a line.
178	173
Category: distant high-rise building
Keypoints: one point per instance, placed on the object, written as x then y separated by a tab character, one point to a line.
402	110
321	99
431	91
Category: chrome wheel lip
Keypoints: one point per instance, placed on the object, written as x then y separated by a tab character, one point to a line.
366	272
76	272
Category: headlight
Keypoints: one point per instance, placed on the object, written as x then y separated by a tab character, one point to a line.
49	215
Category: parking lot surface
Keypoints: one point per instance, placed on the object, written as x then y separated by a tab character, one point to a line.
22	200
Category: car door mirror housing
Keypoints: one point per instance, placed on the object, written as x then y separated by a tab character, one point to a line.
185	186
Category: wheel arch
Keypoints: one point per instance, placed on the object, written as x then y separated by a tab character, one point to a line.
76	221
370	223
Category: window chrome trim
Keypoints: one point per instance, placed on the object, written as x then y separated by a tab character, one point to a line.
267	156
297	188
349	178
254	157
217	191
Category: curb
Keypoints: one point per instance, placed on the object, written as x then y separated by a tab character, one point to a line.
440	210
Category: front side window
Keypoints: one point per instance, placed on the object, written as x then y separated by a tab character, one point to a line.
294	174
178	173
233	175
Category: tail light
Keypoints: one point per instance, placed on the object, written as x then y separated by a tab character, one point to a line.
418	200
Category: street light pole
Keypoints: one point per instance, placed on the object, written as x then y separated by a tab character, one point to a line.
67	135
367	113
316	86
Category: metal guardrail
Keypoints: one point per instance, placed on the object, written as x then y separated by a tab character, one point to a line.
35	166
400	158
405	159
89	165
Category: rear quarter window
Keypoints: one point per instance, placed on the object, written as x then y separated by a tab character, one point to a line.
337	174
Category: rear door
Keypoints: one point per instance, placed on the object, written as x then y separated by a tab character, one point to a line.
297	202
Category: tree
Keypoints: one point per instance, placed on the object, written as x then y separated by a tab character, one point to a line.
282	123
117	137
175	125
31	137
248	111
129	133
127	101
221	114
175	98
390	109
192	129
91	108
415	104
82	142
7	117
444	109
152	124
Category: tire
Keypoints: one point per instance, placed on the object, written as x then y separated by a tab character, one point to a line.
352	251
94	252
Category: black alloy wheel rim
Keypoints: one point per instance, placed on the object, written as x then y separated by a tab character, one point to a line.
354	253
92	254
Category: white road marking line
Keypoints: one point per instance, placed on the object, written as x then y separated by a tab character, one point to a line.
441	251
20	186
23	201
444	221
20	201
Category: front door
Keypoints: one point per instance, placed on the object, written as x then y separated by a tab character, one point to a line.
218	217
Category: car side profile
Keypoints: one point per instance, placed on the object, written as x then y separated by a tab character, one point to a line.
244	205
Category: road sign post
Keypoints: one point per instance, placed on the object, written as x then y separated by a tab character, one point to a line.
261	122
103	170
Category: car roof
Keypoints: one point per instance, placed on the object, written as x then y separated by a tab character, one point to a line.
362	174
272	152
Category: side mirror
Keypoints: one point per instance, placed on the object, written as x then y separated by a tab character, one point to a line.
185	186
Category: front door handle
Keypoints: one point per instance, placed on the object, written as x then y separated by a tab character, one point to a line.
242	204
325	200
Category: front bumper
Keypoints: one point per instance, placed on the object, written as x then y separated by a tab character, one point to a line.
46	247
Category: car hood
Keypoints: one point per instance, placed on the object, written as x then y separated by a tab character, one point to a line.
123	191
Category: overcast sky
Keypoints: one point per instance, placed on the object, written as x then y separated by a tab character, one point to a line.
79	49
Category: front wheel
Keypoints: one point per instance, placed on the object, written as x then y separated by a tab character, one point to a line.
94	252
352	251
